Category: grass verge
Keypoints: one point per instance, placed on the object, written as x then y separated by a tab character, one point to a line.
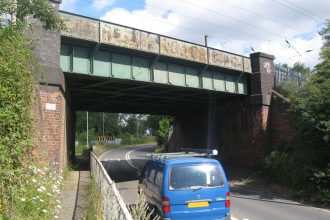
93	205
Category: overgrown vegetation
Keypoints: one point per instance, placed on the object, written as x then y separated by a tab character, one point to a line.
141	210
28	188
303	163
93	204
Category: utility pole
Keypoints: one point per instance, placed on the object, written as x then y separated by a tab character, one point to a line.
103	122
137	126
87	129
205	37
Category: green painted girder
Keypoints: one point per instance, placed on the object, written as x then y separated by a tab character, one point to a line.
103	63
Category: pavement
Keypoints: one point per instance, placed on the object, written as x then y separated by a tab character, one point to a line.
75	190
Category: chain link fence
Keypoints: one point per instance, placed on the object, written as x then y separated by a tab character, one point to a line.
114	207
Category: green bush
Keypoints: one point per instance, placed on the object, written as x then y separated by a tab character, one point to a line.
16	89
321	181
38	194
82	137
297	171
20	174
302	163
163	131
289	169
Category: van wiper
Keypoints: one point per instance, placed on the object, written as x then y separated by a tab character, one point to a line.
196	188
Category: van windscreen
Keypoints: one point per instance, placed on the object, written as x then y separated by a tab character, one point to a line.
195	177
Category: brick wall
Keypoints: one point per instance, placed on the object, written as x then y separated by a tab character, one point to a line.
240	128
281	126
51	125
50	106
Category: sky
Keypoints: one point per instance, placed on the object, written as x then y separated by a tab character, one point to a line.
287	29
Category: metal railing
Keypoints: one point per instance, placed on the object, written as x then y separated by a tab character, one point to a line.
114	207
285	76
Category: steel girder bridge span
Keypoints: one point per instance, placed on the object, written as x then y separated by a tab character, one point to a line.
112	68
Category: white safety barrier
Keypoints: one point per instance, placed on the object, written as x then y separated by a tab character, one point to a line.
114	207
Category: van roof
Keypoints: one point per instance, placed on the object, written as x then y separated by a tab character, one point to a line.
177	160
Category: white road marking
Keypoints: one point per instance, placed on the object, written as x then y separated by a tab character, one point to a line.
233	218
128	159
323	210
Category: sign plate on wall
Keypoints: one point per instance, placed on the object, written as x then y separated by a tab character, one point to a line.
50	106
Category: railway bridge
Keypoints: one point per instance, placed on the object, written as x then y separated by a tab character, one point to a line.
218	99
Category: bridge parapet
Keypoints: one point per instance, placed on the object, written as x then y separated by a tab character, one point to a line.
102	32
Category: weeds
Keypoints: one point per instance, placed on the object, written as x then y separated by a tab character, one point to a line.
94	203
141	210
36	194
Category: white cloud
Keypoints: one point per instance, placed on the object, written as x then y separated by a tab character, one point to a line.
234	25
100	4
68	5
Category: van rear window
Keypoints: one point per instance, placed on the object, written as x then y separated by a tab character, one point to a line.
195	177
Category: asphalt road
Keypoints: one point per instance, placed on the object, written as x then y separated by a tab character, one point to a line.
123	165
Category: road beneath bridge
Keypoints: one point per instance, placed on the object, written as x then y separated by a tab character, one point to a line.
123	165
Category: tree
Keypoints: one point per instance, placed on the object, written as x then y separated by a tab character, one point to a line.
164	130
302	68
20	10
312	104
303	162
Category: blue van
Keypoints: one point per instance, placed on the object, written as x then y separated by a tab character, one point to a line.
183	186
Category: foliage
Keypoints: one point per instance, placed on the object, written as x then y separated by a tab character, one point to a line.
131	128
17	69
93	204
294	79
82	137
38	194
36	9
311	106
128	139
95	122
164	130
302	68
140	211
82	150
322	180
16	87
304	161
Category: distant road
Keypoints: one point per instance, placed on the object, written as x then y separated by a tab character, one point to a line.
123	165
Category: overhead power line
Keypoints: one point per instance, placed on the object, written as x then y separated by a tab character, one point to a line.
305	10
296	10
185	27
211	23
261	15
232	18
204	21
